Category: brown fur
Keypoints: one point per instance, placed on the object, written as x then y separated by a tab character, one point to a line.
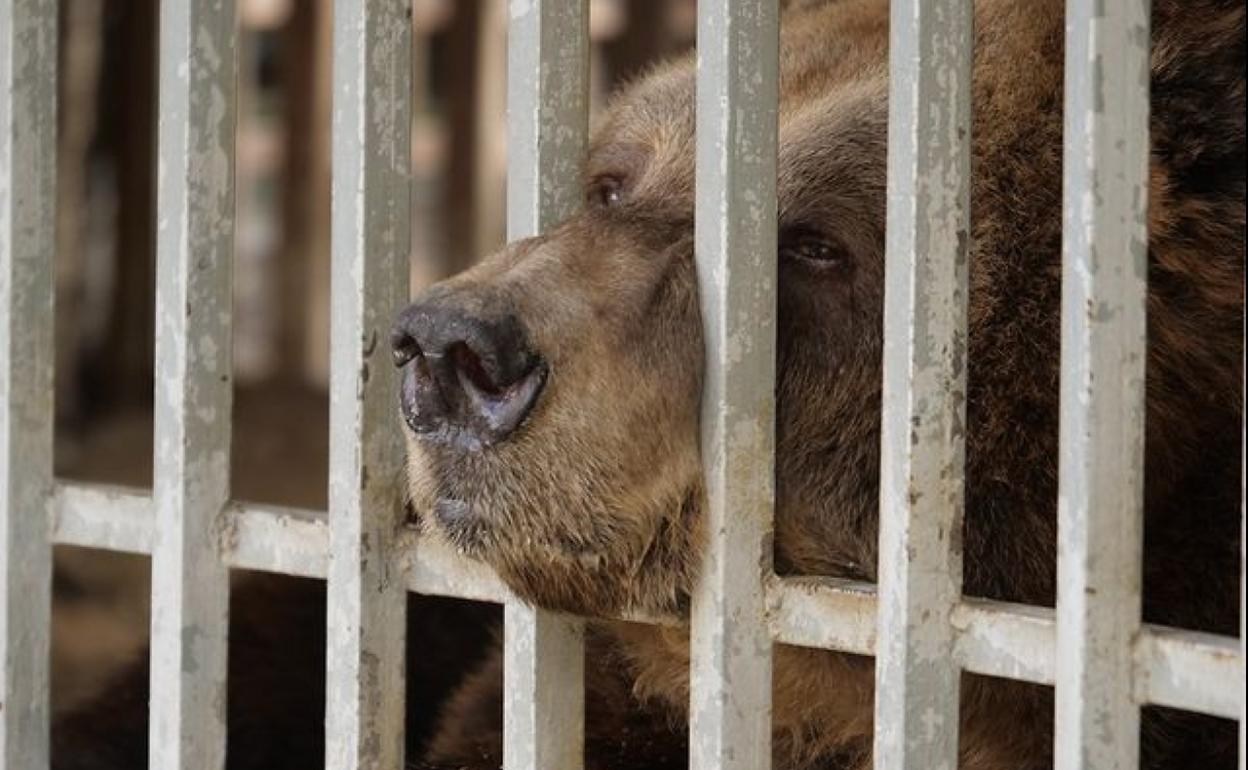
595	505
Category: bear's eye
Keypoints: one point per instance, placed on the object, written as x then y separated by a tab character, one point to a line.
813	249
606	191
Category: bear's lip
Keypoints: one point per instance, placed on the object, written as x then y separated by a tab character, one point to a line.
462	524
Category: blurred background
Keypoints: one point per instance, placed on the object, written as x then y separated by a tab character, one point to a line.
105	270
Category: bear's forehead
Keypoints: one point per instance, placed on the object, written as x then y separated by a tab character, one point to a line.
832	100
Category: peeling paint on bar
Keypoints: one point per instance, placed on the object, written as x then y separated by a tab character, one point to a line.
1002	639
1100	487
1189	670
826	613
922	435
288	541
1183	669
195	244
547	125
28	42
370	246
735	246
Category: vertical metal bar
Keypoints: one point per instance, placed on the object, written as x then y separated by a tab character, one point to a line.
27	245
371	220
730	686
195	244
545	692
547	125
1100	489
924	391
1243	571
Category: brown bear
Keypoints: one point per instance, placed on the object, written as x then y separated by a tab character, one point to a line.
551	394
551	400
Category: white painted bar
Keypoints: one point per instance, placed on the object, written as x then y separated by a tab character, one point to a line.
436	568
547	125
1190	670
824	613
195	247
288	541
106	517
735	248
370	244
1174	667
28	52
1100	488
922	438
1013	641
543	673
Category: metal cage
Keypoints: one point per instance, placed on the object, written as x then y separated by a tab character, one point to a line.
1103	662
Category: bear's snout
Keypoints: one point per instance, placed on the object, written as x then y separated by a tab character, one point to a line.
469	375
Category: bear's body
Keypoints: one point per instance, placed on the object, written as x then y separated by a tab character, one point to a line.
609	299
591	500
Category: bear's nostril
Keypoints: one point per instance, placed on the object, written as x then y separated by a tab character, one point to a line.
404	348
470	366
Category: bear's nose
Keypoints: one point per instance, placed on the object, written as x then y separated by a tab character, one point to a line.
469	377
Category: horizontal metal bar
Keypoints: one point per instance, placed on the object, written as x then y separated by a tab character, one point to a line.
823	613
1177	668
1190	670
289	541
105	517
437	569
1013	641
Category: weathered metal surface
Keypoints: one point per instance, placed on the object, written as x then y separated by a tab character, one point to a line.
1012	641
288	541
547	125
104	517
1100	488
1190	670
922	438
27	244
195	245
824	613
371	212
436	568
1182	669
735	248
547	112
543	689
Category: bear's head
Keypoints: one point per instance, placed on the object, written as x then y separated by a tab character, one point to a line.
551	393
